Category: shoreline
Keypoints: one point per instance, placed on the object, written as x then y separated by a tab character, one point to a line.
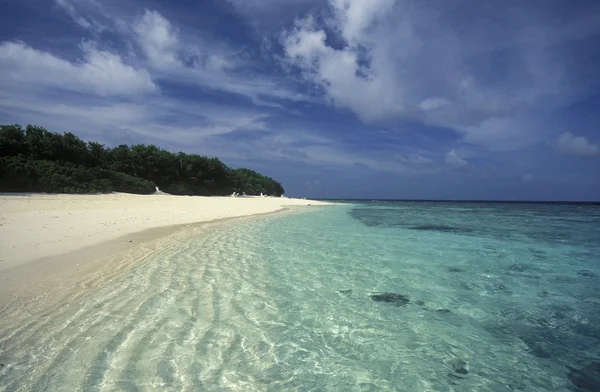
54	277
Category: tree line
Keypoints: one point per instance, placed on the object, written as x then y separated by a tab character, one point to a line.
36	160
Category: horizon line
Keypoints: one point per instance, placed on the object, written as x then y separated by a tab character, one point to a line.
472	201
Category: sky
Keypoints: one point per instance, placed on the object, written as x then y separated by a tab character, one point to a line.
395	99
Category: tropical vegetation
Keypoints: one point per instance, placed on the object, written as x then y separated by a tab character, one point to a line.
36	160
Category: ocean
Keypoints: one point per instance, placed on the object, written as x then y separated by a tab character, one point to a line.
360	296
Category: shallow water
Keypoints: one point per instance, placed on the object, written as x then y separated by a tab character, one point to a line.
501	297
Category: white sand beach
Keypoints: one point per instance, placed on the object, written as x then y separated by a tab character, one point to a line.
35	226
51	244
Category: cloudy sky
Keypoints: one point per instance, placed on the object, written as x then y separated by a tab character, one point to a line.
465	99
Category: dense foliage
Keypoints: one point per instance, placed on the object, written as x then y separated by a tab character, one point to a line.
35	160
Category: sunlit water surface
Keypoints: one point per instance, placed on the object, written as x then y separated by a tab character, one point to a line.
501	297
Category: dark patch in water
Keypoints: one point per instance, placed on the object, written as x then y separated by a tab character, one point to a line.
461	370
531	276
518	267
513	314
349	291
538	254
586	273
454	377
585	379
420	303
398	299
443	310
500	286
544	294
535	347
563	279
468	285
455	269
459	366
523	270
441	228
587	330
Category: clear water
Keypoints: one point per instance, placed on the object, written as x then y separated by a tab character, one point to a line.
502	297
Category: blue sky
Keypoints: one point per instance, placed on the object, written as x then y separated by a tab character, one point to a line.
335	99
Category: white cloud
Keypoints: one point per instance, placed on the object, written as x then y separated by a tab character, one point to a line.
191	59
158	118
431	104
87	23
312	148
98	72
306	46
454	160
502	133
335	155
157	39
416	161
339	71
69	9
369	74
355	16
389	59
570	144
184	53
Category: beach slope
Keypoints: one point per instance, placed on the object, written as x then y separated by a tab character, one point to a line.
35	226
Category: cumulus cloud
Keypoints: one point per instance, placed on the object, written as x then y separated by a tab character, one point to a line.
171	51
454	160
98	72
388	59
157	39
356	16
341	72
569	144
191	59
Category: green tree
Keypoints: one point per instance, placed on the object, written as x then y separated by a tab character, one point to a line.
37	160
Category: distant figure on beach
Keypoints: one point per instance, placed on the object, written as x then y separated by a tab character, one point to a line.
159	192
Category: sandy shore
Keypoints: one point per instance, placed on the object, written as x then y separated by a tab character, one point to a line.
36	226
54	247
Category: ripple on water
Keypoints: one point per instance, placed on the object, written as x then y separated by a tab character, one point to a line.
306	302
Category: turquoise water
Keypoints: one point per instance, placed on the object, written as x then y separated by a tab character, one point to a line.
501	297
